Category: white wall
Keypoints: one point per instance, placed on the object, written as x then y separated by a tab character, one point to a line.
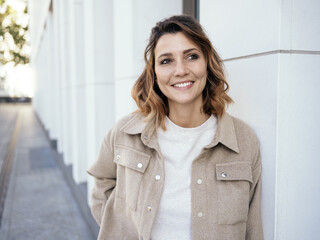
42	60
241	28
300	25
271	50
40	11
298	189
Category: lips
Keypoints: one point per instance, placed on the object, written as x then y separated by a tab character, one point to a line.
182	85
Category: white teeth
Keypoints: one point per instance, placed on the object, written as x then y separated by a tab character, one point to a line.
182	84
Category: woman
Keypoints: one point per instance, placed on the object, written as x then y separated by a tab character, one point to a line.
179	167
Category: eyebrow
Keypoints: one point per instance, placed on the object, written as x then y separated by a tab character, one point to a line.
184	52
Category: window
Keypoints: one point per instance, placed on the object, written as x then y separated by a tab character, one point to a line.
191	7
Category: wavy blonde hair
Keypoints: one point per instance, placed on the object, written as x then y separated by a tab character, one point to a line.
151	102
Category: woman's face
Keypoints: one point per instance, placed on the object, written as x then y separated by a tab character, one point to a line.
181	70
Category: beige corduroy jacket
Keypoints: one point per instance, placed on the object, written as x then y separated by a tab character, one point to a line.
127	191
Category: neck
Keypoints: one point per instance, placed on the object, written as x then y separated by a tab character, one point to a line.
186	117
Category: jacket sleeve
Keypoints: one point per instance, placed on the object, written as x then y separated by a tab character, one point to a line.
254	223
104	172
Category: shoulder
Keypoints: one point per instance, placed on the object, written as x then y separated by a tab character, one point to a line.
132	123
126	120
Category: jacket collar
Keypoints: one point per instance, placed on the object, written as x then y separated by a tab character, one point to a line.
135	125
138	125
225	133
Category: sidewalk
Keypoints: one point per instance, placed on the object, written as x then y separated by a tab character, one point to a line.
39	203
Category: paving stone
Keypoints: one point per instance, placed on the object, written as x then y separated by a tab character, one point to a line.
39	203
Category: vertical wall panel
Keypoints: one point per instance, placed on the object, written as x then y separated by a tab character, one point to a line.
239	28
298	188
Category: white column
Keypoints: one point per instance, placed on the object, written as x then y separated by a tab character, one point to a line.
45	75
99	73
38	33
53	81
64	59
55	106
123	56
271	53
60	78
50	80
79	136
72	42
298	191
58	109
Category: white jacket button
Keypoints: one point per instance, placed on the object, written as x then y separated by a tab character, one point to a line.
223	174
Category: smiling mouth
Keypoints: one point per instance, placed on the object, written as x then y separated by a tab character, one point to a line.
181	85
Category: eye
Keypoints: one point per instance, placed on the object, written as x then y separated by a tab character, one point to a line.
193	56
165	61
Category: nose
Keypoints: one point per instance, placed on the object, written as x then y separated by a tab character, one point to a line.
180	69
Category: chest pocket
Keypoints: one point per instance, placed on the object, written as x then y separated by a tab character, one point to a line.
233	185
131	166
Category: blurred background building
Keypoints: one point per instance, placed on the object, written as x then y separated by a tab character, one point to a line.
86	55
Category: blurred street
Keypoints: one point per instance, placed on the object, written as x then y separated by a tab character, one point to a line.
36	202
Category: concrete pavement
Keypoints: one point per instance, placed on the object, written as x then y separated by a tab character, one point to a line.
38	202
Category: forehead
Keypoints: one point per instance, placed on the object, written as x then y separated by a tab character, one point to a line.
174	42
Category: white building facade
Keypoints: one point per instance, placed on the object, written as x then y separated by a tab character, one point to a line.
87	54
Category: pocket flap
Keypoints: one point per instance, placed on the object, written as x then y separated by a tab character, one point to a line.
234	171
131	158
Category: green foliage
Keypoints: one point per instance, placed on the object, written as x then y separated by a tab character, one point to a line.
13	36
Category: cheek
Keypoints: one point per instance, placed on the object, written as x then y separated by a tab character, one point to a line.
203	76
162	77
202	70
159	81
162	85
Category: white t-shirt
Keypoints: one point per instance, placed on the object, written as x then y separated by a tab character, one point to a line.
179	147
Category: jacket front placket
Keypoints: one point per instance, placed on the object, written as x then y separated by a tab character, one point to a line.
199	198
150	208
